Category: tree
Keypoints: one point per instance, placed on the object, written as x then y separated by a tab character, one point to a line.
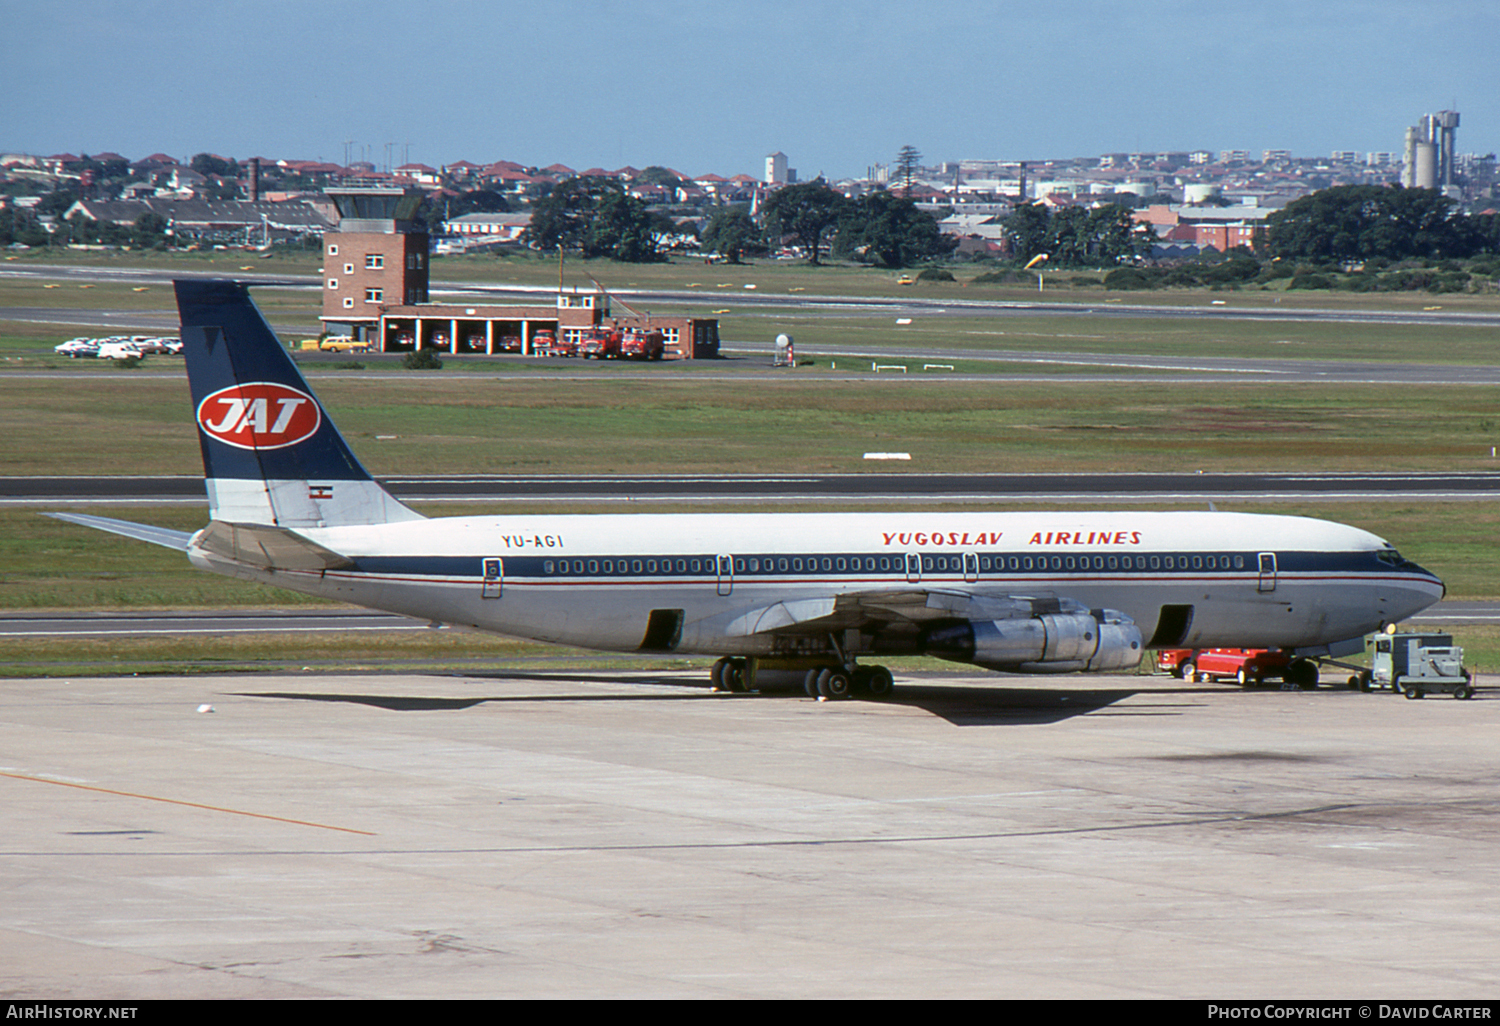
212	166
478	201
658	175
150	231
1361	222
1076	236
595	217
907	162
732	232
891	230
1025	228
806	212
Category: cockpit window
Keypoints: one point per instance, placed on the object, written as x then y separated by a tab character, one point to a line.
1390	557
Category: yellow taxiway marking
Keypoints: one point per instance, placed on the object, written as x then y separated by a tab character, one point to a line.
191	805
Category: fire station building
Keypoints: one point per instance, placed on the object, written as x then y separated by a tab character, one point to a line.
375	279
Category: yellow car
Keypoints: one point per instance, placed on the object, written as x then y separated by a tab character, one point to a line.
343	344
906	279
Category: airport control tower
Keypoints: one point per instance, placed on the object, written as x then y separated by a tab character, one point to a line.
376	259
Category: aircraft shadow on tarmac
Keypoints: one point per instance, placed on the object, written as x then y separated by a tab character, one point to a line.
961	706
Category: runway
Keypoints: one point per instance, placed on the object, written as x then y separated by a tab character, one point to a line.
633	835
911	488
1222	307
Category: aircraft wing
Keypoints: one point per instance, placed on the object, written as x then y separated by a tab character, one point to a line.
163	536
875	610
1031	634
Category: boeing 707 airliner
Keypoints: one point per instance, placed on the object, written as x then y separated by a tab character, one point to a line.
780	598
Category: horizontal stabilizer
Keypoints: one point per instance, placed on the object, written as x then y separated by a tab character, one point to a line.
269	548
163	536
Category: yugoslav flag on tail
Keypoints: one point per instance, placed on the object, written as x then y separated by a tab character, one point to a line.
270	453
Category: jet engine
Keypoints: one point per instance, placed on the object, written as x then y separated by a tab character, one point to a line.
1060	641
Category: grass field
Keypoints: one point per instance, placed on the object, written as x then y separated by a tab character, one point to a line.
125	423
683	421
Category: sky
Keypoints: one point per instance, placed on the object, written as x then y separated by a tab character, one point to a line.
714	87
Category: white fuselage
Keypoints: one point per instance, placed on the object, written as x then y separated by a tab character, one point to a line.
1191	579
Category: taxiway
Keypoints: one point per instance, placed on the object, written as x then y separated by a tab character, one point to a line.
633	835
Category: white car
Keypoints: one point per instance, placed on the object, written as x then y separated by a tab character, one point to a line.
120	350
77	348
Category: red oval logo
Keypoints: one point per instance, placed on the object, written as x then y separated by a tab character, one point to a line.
260	415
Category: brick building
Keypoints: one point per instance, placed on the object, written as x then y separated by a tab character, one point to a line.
375	281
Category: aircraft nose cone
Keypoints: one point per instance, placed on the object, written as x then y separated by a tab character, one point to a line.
1417	590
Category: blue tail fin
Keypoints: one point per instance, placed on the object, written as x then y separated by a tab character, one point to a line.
270	453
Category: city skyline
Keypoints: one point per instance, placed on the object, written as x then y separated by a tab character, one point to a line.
602	83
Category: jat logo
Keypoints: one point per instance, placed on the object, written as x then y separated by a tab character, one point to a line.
260	415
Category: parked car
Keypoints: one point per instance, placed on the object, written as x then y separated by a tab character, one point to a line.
120	350
1248	667
77	348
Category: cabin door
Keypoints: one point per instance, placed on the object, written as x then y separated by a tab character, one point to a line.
494	575
726	574
1267	571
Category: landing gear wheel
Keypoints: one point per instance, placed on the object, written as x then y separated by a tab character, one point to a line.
835	685
881	683
716	675
810	682
729	675
1303	674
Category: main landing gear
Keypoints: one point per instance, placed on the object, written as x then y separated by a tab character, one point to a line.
836	683
831	681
